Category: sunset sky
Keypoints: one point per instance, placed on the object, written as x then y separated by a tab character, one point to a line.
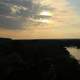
40	19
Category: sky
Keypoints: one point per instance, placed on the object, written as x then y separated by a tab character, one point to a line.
40	19
76	5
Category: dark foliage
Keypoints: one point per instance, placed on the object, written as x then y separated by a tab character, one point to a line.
27	60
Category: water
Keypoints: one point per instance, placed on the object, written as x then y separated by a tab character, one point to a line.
74	52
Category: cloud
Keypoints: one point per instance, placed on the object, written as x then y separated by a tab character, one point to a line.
10	22
21	10
4	9
14	13
64	18
65	21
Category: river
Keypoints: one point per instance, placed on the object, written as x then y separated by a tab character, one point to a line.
74	52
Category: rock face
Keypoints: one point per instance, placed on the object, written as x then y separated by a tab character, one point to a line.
28	60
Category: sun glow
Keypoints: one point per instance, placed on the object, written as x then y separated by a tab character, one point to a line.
43	21
46	13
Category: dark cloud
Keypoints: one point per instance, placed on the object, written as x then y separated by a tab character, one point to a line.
9	23
24	3
4	9
16	8
15	13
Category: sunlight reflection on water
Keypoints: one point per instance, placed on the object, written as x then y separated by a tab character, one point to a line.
74	52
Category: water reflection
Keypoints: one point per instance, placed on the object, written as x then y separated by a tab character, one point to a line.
74	52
